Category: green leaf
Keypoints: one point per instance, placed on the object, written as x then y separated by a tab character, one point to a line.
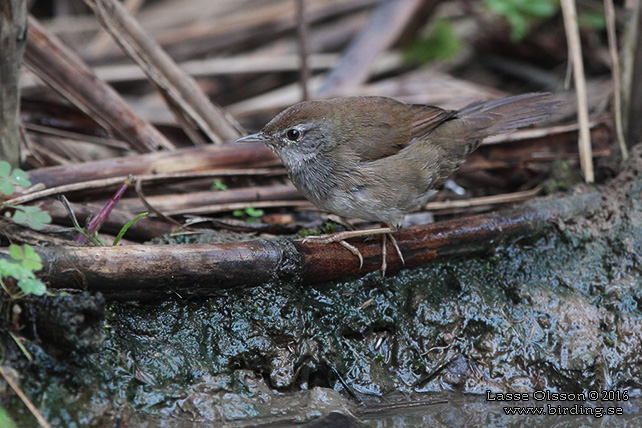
20	178
237	213
32	286
218	185
592	20
6	187
441	45
127	226
15	270
253	212
9	179
5	419
5	169
32	216
16	252
521	14
26	255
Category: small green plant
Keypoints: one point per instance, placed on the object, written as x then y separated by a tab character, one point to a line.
127	226
9	179
592	20
327	228
17	273
218	185
521	14
250	214
5	419
20	272
441	45
31	216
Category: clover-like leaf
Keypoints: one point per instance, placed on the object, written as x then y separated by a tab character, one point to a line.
34	217
20	178
6	187
9	179
5	169
15	270
32	286
27	256
253	212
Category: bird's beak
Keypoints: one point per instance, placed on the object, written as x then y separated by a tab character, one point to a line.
259	137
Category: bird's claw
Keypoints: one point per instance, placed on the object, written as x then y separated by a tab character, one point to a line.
354	250
341	237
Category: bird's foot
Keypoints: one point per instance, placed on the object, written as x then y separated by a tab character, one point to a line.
340	237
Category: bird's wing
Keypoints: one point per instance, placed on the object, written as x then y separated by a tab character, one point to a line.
393	127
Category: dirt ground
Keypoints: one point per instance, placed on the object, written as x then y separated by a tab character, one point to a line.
559	312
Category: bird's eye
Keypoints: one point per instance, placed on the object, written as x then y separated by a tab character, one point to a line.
293	134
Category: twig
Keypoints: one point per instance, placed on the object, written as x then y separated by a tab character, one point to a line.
96	222
207	268
74	187
99	45
632	71
112	181
354	67
13	28
609	13
505	198
238	64
164	72
575	50
150	207
27	402
64	71
192	159
219	208
302	29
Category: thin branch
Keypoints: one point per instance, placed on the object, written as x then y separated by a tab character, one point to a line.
23	397
302	30
386	24
66	73
164	72
609	13
575	47
148	271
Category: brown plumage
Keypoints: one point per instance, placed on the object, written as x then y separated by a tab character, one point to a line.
378	159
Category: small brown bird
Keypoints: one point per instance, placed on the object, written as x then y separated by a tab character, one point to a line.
379	159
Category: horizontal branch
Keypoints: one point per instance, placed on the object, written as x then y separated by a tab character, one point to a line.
145	271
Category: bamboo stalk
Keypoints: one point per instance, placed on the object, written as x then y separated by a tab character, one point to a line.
100	44
64	71
239	64
178	86
355	65
13	28
575	54
144	272
192	159
609	14
632	72
23	397
144	229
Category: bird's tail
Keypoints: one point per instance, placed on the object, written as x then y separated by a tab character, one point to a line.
495	117
461	135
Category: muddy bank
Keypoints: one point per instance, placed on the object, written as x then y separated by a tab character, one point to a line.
558	312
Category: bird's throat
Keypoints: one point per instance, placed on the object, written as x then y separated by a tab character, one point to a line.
313	176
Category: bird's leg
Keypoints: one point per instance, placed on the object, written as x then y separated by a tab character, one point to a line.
394	244
384	253
341	237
